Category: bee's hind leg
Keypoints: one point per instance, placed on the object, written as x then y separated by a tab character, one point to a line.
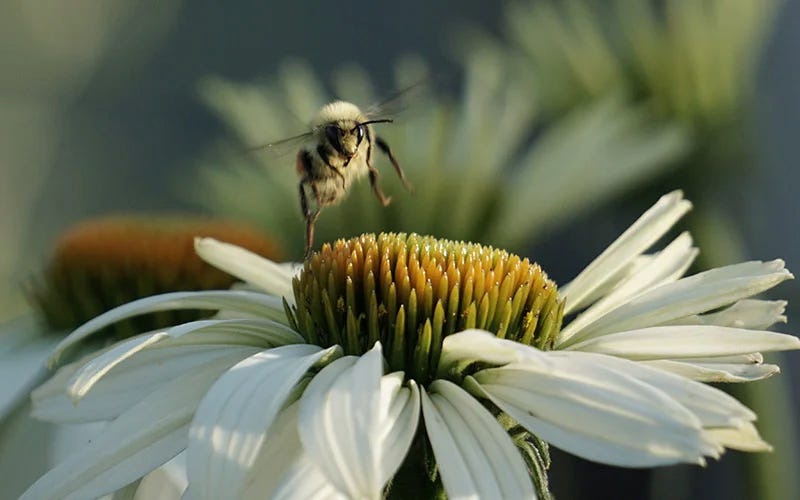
311	220
311	217
397	168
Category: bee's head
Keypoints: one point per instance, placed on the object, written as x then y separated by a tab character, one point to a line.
344	136
343	126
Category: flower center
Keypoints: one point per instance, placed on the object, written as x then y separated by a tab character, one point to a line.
107	262
411	291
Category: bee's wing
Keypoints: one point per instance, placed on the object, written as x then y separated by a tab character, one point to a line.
282	147
396	102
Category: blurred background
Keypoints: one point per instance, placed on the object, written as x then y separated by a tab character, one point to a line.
115	106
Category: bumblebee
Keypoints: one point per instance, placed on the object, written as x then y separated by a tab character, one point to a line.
339	152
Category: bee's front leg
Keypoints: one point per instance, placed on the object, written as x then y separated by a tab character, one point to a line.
397	168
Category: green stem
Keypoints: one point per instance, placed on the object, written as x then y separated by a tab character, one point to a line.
413	479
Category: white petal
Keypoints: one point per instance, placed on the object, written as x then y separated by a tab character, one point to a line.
748	313
751	358
715	372
240	331
464	427
692	295
611	282
247	266
476	345
283	470
666	266
229	426
399	417
141	439
94	369
305	480
127	383
340	423
262	305
168	482
245	332
640	236
711	406
744	438
673	342
457	477
582	407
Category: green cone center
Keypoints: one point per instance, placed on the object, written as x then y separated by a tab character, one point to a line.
410	291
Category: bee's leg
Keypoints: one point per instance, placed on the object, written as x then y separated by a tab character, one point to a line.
311	220
311	217
339	173
388	152
373	180
324	155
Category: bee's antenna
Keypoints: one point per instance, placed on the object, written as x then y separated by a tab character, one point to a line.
368	122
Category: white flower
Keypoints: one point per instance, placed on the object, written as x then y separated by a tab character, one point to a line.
261	411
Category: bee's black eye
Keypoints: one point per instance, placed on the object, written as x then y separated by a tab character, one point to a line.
359	133
334	137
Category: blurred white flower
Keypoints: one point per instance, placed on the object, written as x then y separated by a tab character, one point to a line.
478	163
695	61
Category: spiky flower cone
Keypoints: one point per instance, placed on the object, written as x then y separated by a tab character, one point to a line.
103	263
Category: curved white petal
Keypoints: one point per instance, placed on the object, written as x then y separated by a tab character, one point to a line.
141	439
666	266
241	331
304	480
467	440
715	372
743	438
261	333
399	417
168	482
283	469
233	420
686	297
675	342
712	407
340	424
458	479
476	345
752	314
258	304
640	236
127	383
579	405
250	267
94	369
613	281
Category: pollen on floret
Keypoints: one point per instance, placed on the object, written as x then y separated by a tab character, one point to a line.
104	263
411	291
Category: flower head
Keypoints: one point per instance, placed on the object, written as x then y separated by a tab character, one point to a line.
410	292
103	263
389	353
